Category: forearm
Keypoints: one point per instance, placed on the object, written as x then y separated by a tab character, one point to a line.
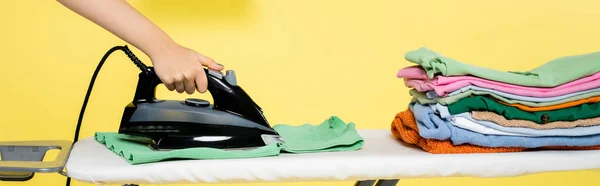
119	18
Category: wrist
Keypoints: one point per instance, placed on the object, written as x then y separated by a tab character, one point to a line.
161	48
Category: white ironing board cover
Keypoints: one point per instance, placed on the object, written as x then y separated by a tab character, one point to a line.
382	157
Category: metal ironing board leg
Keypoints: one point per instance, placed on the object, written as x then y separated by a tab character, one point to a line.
392	182
365	183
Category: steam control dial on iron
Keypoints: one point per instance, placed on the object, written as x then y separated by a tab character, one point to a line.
195	102
233	121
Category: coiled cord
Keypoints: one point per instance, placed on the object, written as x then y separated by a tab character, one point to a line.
134	59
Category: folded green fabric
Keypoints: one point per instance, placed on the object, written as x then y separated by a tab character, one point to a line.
422	98
552	73
331	135
137	153
482	103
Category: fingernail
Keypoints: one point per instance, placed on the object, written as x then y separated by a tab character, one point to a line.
220	64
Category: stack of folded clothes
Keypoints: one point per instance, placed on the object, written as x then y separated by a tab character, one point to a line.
462	108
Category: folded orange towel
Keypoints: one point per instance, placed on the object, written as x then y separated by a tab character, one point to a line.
554	107
404	127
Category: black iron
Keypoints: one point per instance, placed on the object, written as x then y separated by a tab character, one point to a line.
234	120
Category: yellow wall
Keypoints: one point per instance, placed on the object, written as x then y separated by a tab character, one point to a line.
302	61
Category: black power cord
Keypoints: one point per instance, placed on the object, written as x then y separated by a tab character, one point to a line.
131	56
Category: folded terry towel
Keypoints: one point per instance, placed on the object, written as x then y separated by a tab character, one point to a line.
553	73
415	77
432	126
583	124
331	135
404	128
424	99
482	103
465	121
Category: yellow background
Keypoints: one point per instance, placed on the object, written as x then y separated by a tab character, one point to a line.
302	61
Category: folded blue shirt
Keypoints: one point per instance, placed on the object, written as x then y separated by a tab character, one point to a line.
432	126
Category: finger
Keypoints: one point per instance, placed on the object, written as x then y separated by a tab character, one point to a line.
201	81
189	84
169	84
179	84
208	62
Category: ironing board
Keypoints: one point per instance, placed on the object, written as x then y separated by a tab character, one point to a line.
382	161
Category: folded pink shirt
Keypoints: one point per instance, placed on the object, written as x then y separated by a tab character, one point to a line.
415	77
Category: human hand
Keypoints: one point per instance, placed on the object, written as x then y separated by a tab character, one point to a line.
181	68
178	67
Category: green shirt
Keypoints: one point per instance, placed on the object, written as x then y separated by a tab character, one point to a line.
551	74
482	103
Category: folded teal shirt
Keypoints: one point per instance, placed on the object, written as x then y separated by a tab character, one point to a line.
331	135
552	73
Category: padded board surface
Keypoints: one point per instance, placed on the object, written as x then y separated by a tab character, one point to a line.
382	157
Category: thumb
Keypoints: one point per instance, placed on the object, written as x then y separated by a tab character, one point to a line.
208	62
